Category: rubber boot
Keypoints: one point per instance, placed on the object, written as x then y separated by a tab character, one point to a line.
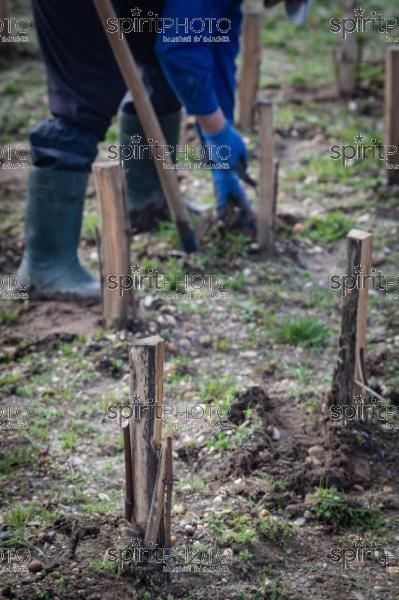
53	222
146	204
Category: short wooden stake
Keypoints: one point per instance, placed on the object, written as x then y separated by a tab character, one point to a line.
349	376
146	358
267	187
115	258
250	68
392	115
169	492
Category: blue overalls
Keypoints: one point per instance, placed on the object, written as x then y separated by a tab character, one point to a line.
84	83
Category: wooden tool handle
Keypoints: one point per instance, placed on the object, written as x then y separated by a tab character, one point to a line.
149	122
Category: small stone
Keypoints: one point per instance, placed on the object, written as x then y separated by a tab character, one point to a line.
263	513
238	481
317	451
276	435
205	340
298	228
171	347
218	500
35	566
308	515
300	522
179	509
173	538
189	530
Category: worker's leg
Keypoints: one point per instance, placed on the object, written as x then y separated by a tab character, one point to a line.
85	89
146	202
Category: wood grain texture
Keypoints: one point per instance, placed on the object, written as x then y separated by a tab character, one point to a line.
115	258
146	385
391	114
157	502
250	68
354	320
267	183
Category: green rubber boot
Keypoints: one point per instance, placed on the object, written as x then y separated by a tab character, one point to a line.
146	204
53	222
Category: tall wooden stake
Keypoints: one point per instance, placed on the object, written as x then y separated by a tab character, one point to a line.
392	114
169	491
146	358
115	258
250	68
350	368
267	187
4	9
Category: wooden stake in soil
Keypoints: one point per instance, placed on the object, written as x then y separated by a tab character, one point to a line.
4	10
267	187
150	124
169	492
146	384
352	343
250	69
114	240
392	115
129	476
348	57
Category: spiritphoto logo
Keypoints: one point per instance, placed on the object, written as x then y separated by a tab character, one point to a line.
361	150
361	279
180	157
188	558
14	417
172	286
366	408
14	287
361	23
14	561
15	29
176	418
364	553
196	29
15	156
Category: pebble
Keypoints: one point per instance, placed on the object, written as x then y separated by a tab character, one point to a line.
276	435
205	340
298	227
317	451
300	522
218	500
179	509
35	566
171	347
189	530
264	513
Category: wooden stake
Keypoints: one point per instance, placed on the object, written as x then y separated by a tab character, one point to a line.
348	55
146	383
169	492
267	188
129	476
250	68
352	342
150	124
157	503
115	258
391	114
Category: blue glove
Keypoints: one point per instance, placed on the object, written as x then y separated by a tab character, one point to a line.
228	147
227	185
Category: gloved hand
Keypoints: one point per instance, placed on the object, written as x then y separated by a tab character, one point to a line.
229	147
233	206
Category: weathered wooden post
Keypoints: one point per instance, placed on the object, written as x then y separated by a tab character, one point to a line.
114	251
349	376
391	115
268	180
250	67
148	455
348	57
